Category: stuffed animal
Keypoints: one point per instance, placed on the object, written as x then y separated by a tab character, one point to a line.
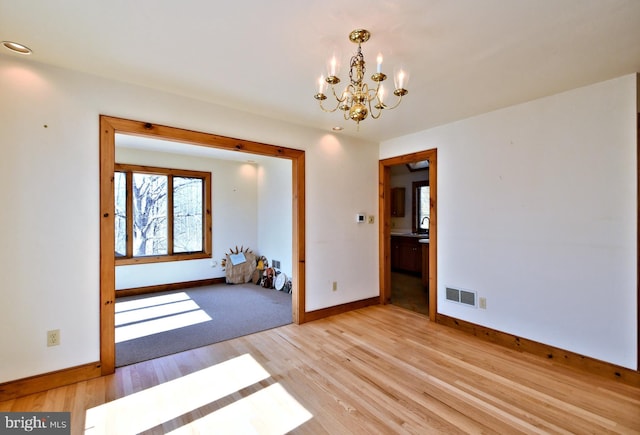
268	280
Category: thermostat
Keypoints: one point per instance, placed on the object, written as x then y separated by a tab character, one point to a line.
360	218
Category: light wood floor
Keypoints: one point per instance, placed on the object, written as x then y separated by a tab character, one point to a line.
381	369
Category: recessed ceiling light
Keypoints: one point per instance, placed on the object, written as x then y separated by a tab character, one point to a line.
337	129
16	48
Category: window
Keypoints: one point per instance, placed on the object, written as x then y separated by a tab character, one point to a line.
420	206
161	214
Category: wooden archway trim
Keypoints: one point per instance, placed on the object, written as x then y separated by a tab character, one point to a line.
109	126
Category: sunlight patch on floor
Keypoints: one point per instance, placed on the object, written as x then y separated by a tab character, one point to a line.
142	317
271	408
146	302
137	330
154	312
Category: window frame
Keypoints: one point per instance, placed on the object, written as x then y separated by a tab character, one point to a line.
415	207
129	170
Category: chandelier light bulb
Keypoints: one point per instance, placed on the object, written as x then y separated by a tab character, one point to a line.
401	78
381	95
333	67
379	62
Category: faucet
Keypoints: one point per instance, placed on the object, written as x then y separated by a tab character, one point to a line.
422	223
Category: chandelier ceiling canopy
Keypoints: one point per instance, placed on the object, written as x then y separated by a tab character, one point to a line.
358	99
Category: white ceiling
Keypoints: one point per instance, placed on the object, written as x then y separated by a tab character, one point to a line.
465	57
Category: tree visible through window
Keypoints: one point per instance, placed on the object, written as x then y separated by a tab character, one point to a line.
161	214
187	214
149	214
120	188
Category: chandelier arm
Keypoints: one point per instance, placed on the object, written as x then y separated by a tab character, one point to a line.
395	105
375	115
379	106
329	110
339	99
372	94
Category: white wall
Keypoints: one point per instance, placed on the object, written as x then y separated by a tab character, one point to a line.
234	193
275	210
537	209
334	197
50	223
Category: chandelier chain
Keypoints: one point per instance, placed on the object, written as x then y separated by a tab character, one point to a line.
357	59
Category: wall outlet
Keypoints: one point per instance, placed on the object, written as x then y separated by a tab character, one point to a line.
482	303
371	219
335	286
53	337
214	263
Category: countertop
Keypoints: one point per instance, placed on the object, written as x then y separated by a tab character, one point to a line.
421	237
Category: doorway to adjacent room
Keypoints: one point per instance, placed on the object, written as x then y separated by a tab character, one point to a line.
408	231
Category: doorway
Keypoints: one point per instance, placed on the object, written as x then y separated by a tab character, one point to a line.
109	126
418	231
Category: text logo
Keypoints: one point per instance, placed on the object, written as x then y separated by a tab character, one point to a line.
49	423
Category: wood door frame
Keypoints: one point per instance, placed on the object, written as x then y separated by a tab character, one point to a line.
109	126
384	209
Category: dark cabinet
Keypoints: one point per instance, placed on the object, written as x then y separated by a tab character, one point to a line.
425	265
406	254
397	201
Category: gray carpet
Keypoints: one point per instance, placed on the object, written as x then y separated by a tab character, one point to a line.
234	311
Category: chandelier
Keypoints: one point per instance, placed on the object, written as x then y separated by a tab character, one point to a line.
357	100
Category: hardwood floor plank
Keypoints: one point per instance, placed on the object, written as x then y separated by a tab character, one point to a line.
377	370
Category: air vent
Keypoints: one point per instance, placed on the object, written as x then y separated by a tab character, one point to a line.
459	296
453	294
